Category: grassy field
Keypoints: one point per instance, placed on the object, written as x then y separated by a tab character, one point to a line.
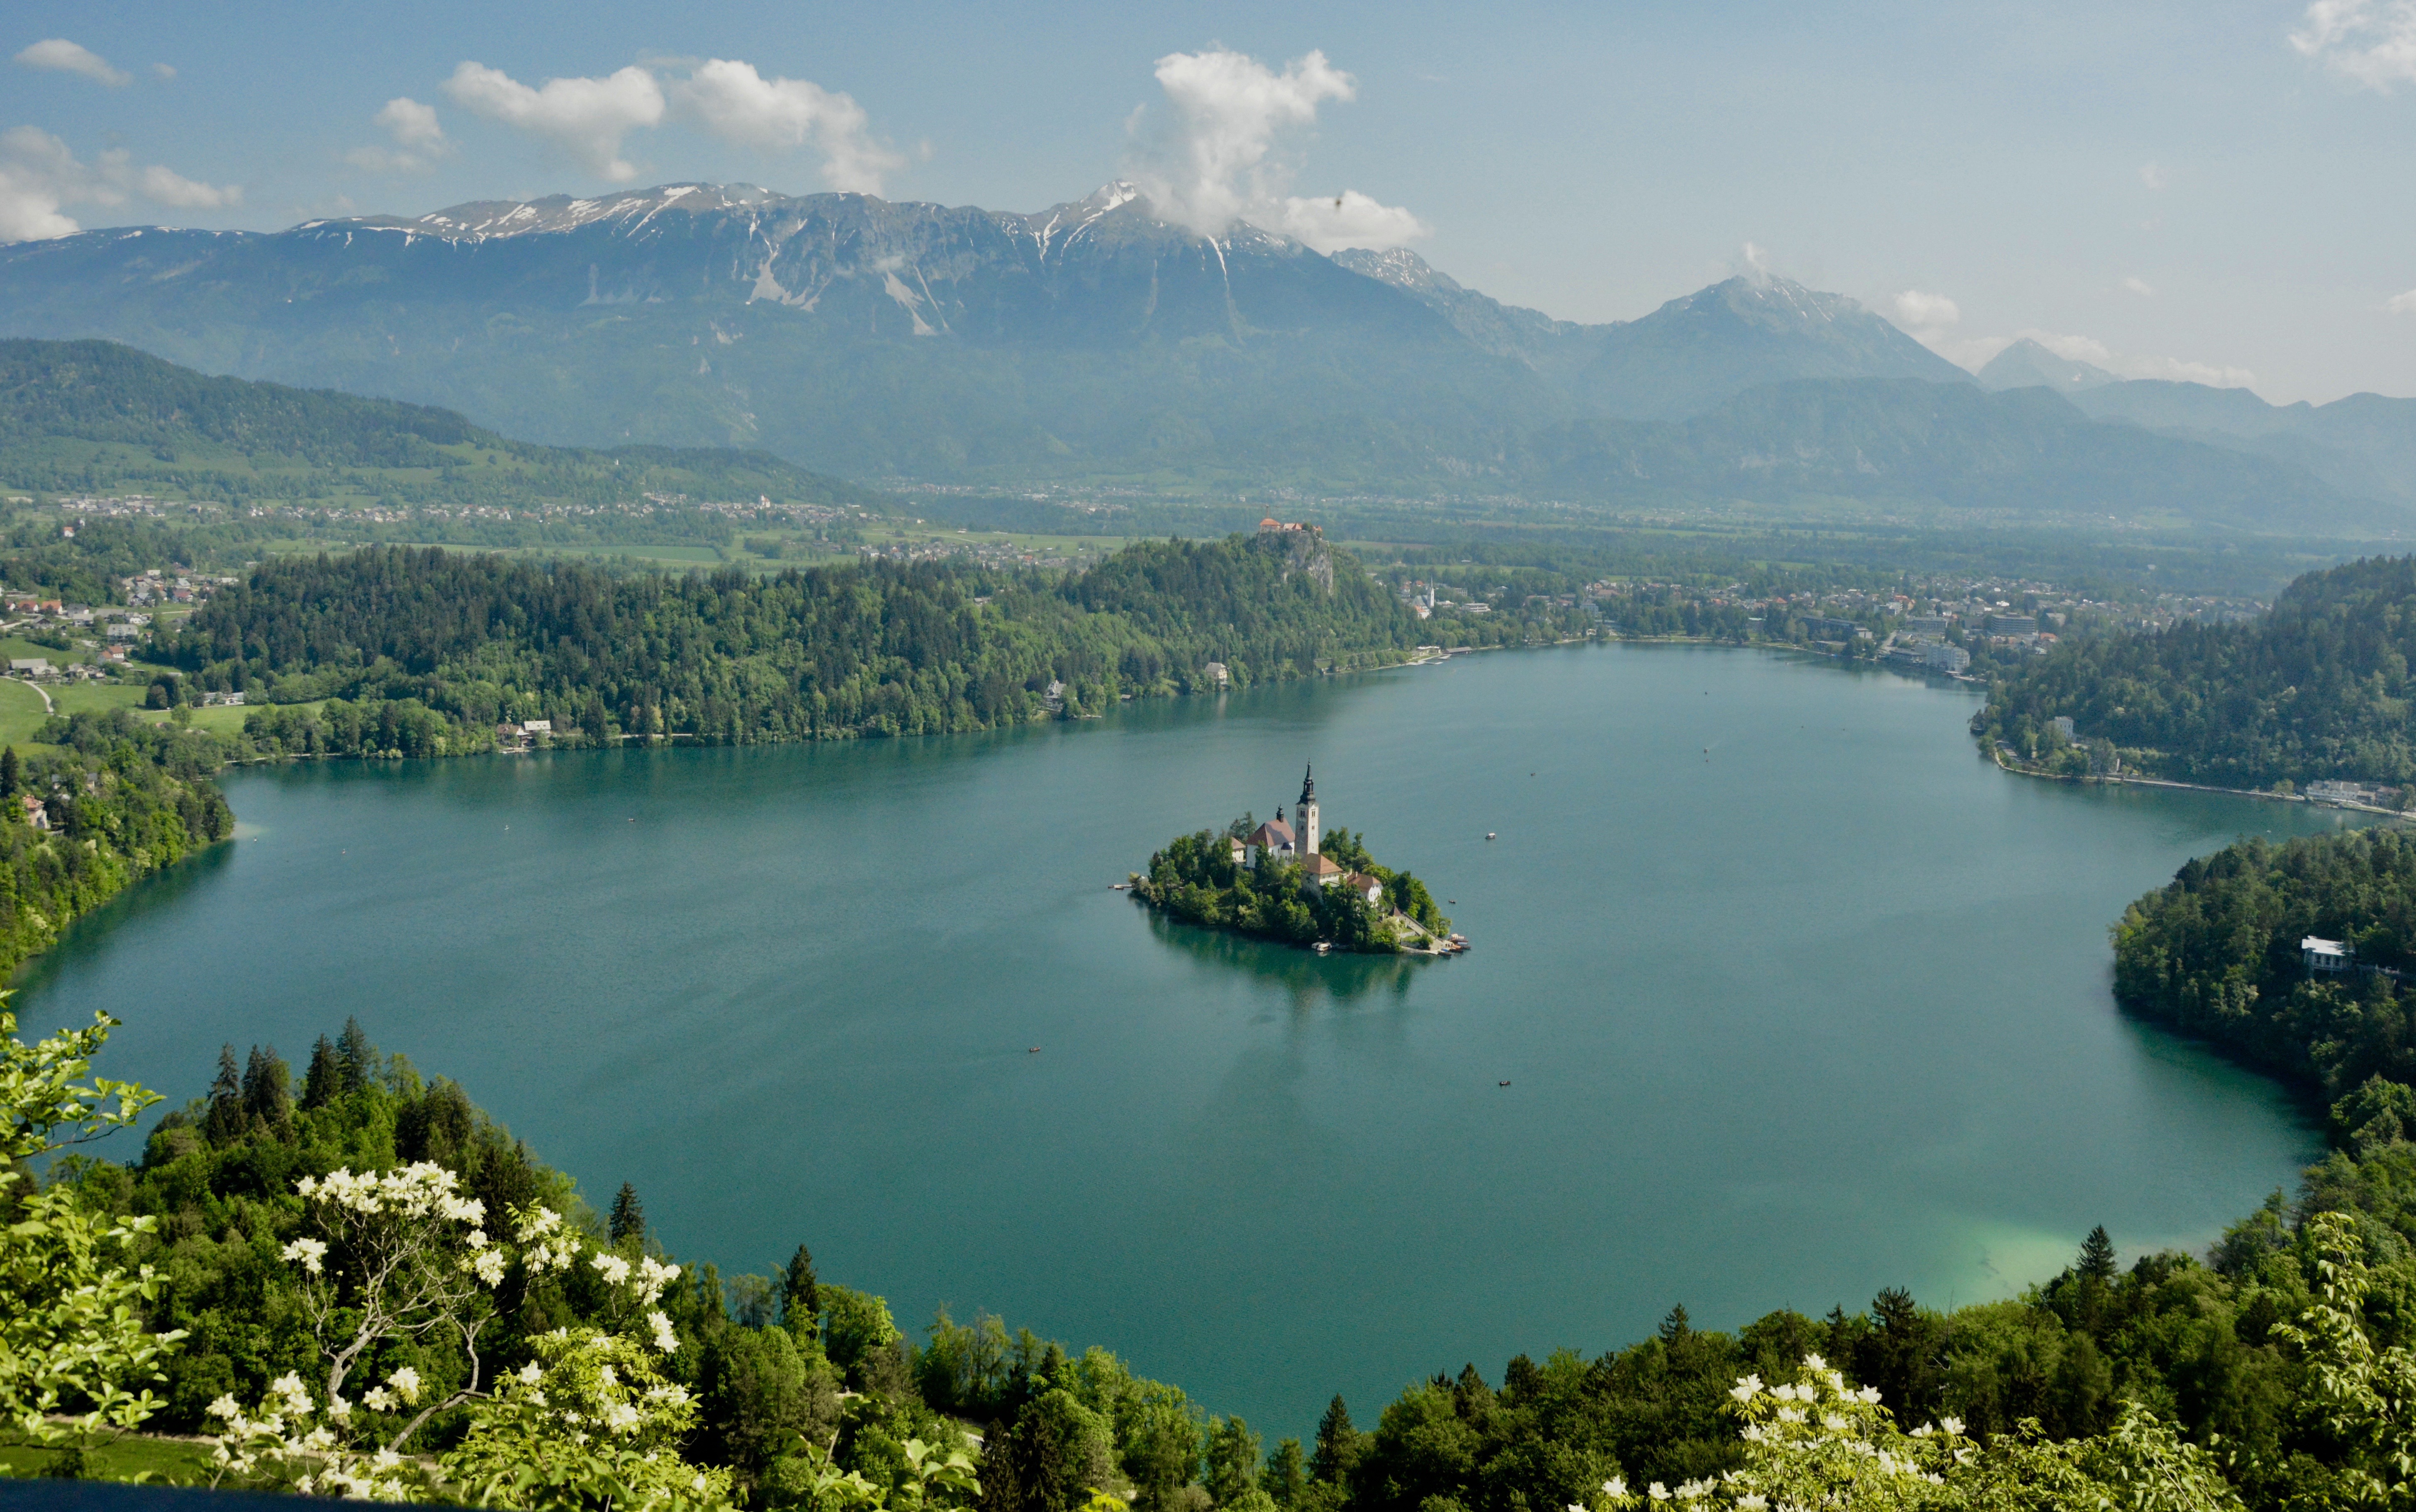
13	647
96	698
169	1461
226	719
21	713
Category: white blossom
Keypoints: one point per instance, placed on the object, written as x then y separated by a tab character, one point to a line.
531	1373
664	1339
615	1269
309	1252
405	1383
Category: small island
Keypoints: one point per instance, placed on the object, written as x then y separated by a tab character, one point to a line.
1296	883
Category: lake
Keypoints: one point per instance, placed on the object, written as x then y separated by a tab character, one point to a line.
1795	995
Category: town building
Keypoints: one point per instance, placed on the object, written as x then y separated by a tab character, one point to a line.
1304	821
2325	955
1274	838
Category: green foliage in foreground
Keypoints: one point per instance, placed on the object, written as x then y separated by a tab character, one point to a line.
825	653
2276	1375
2317	687
1196	878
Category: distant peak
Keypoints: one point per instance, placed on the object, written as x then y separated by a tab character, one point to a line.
1397	266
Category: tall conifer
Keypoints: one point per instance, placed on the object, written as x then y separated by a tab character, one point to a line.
628	1216
1337	1446
224	1122
325	1081
267	1086
801	1301
2096	1255
357	1057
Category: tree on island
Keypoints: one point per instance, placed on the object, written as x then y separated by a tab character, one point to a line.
1196	878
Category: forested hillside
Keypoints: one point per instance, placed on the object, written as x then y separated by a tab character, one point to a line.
117	801
2216	954
2317	687
95	417
819	653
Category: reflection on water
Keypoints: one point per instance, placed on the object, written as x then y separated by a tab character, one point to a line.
1305	977
90	935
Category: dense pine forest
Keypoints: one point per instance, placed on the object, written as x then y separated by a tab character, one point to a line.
2317	687
467	641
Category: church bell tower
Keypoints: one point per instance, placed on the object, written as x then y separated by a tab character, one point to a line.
1305	816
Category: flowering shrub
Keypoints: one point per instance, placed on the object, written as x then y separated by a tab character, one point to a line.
71	1333
1816	1442
403	1256
588	1423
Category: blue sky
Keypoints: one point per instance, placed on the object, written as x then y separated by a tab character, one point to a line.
2169	190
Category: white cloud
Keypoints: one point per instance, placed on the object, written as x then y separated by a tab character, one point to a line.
39	177
2153	176
2213	375
2140	285
1349	218
2401	304
1914	309
2174	369
1757	260
60	55
163	72
419	139
162	185
737	104
2072	347
585	117
1227	149
2371	42
411	124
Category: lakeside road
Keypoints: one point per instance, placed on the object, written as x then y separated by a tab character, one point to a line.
1997	753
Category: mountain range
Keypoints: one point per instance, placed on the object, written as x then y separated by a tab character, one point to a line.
1095	344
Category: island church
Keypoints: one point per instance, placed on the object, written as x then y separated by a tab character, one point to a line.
1294	842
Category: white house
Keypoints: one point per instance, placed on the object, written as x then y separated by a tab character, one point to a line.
1321	871
2325	955
1370	888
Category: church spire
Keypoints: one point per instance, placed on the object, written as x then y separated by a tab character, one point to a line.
1307	784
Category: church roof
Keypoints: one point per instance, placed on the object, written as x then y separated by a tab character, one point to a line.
1272	832
1321	867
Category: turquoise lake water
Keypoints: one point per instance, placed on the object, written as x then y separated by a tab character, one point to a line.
1797	998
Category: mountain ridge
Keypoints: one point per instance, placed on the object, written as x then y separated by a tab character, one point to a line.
1089	342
